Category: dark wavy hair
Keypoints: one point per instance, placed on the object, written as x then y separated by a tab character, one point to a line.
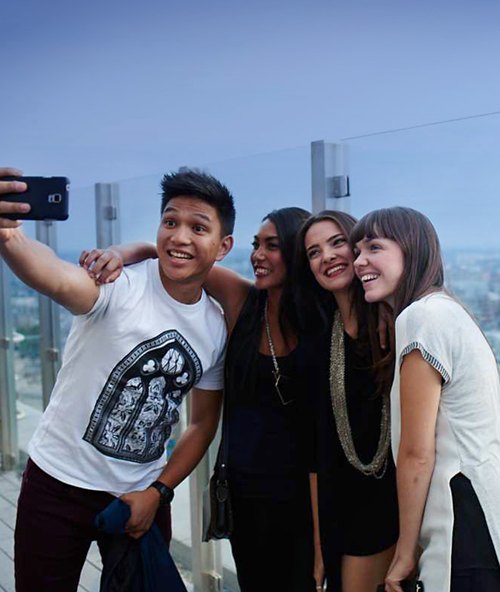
288	222
242	353
317	305
417	238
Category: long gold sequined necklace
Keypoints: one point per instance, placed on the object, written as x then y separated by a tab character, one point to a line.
276	372
378	464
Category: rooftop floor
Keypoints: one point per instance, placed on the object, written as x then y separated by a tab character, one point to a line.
9	491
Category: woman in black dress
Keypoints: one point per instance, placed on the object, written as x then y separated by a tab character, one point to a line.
272	541
353	472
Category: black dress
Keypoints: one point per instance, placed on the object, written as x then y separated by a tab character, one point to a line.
358	514
272	539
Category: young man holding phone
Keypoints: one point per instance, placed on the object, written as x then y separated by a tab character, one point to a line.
135	349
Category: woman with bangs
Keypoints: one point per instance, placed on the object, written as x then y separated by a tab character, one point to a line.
445	404
353	480
265	399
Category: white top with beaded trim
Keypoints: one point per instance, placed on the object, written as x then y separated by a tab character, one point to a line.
468	422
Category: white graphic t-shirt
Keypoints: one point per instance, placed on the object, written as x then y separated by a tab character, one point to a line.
127	366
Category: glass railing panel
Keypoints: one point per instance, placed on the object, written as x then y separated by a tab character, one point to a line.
449	172
259	184
72	235
27	367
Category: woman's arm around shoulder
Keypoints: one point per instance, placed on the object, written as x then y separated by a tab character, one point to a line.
106	265
230	290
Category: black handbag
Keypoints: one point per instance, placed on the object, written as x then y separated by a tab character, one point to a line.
217	508
412	585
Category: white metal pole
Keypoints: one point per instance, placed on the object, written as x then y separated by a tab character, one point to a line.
206	557
330	177
9	449
50	326
107	214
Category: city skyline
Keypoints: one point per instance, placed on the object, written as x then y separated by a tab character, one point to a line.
472	275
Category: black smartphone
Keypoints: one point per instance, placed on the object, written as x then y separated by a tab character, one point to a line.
47	196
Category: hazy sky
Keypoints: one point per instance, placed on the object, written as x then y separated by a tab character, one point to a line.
109	90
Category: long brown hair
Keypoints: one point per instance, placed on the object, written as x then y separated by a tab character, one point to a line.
316	304
423	264
417	238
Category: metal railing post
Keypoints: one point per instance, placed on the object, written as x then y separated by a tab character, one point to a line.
329	177
206	557
9	449
107	214
50	324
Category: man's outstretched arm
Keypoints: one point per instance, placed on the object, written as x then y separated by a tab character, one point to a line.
189	450
36	264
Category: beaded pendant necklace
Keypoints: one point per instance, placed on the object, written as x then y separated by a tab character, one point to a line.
276	372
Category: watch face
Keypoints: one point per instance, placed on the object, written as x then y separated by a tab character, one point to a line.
166	493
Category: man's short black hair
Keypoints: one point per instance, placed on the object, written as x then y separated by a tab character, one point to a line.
195	183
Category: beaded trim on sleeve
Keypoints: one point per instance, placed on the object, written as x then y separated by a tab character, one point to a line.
376	468
429	358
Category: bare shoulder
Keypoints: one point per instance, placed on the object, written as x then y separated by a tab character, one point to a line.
230	289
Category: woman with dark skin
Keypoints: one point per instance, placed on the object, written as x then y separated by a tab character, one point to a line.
353	483
272	540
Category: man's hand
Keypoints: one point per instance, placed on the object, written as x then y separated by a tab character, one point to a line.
36	264
6	207
143	507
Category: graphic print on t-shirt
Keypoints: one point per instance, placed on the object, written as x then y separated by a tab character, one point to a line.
137	407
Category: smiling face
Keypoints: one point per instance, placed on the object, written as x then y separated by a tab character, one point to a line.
379	265
266	258
189	241
330	256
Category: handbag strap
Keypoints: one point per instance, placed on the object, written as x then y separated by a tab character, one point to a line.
223	453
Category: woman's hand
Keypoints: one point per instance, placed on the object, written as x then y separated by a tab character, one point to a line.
103	265
402	567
